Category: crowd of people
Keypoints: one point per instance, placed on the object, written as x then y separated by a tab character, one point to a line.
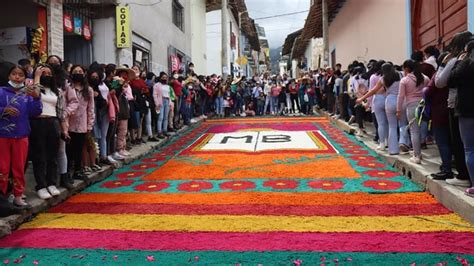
70	120
429	96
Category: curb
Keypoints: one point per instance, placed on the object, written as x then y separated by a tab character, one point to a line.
10	223
451	197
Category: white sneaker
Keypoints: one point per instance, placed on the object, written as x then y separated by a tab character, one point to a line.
111	159
116	156
458	182
125	153
381	147
193	121
44	194
415	159
53	191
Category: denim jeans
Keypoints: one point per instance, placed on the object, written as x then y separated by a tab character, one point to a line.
268	104
220	105
379	111
162	126
391	112
466	128
443	141
274	104
149	132
100	130
415	131
403	124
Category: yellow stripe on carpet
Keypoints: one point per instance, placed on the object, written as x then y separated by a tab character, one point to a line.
250	223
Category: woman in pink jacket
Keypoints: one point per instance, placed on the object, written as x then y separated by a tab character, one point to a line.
161	96
411	92
81	122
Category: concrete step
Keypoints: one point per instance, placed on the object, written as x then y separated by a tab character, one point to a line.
452	197
10	223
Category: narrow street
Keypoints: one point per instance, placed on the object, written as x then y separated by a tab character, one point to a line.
269	191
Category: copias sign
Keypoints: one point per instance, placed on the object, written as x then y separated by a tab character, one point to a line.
123	26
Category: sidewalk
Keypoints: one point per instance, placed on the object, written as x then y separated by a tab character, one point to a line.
452	197
10	223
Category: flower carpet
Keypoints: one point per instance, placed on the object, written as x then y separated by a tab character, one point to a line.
289	191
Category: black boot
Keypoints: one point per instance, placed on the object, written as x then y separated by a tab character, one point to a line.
66	181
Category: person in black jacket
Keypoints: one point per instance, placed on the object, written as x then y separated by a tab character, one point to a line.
462	78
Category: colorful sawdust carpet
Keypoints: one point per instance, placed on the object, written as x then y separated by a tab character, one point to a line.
254	191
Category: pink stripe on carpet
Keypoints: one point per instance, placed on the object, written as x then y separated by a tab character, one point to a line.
377	242
186	209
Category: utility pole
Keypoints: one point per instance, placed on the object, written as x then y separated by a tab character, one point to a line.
325	33
225	42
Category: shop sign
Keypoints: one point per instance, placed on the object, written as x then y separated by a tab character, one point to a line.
77	26
68	23
87	32
123	26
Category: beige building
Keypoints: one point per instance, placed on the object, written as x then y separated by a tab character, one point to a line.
357	34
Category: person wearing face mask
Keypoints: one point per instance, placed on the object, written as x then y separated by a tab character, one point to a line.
69	106
177	84
17	105
161	96
123	76
139	90
104	111
81	122
45	134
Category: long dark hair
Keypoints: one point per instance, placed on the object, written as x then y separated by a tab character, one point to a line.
84	83
414	68
54	87
390	75
59	74
459	41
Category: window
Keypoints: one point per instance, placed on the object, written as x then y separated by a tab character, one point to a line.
178	18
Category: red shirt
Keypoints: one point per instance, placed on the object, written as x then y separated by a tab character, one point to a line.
177	88
140	84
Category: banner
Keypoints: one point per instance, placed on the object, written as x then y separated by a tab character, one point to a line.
77	26
175	63
68	23
123	26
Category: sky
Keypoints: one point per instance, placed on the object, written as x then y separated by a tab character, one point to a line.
278	28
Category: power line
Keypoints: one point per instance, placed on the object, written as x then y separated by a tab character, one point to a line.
282	15
274	16
141	4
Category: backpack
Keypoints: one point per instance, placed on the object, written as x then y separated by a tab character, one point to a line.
423	112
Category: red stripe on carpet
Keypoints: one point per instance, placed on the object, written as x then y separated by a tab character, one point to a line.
377	242
186	209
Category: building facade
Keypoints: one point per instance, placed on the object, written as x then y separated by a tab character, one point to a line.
382	29
162	36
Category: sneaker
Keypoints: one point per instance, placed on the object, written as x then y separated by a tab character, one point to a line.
458	182
351	120
44	194
204	116
161	136
53	191
193	121
442	176
470	192
415	159
96	168
116	156
361	133
404	149
381	147
111	159
153	139
87	170
21	203
124	154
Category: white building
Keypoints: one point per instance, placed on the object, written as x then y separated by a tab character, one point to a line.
198	36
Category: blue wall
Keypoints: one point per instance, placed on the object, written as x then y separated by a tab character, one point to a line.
408	27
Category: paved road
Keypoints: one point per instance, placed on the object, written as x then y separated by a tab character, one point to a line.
254	191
